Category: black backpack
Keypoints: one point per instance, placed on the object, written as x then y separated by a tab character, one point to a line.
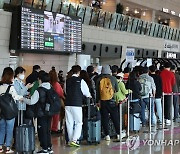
52	104
8	106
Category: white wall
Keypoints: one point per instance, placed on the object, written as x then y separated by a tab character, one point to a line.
5	23
106	36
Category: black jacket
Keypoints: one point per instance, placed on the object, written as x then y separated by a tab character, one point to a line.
32	77
158	83
135	86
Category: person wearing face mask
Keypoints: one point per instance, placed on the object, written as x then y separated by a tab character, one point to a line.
121	94
20	87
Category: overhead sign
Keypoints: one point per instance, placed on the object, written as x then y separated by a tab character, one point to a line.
149	62
171	46
171	55
130	54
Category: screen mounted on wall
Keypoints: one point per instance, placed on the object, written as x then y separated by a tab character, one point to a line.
48	31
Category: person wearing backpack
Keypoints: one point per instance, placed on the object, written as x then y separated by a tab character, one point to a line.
106	86
7	126
40	99
57	87
147	94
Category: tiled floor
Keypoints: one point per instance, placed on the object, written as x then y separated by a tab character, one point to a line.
159	142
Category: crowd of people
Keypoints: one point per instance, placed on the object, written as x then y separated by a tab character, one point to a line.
81	84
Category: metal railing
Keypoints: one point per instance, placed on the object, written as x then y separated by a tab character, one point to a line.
100	18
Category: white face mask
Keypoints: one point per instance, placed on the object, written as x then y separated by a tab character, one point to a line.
21	76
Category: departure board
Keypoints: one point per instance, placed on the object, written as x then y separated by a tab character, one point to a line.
48	31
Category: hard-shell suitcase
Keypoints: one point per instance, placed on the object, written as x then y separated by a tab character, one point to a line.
134	122
94	128
94	131
25	136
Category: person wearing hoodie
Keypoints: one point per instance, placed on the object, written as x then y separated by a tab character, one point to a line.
145	99
43	122
108	106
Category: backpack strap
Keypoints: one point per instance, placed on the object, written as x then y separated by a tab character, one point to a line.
7	91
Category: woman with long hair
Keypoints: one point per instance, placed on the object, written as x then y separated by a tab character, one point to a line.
7	126
57	87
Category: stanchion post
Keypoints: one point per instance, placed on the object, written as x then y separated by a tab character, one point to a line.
128	111
120	118
171	109
163	123
150	110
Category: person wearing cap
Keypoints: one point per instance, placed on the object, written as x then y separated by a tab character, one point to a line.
122	92
108	106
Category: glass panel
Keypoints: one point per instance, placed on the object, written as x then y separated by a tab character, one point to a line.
118	22
94	18
170	33
73	9
163	31
81	11
65	7
124	25
113	21
101	19
87	15
177	34
160	30
167	33
48	5
156	30
174	34
143	30
107	19
129	25
139	26
135	22
152	29
56	6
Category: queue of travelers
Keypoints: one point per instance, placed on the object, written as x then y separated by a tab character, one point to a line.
142	85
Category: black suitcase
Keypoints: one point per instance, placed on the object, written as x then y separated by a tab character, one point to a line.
25	136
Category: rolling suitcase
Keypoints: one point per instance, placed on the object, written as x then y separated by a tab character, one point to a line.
134	122
25	136
94	128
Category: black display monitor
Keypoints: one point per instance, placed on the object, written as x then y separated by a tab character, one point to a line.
43	31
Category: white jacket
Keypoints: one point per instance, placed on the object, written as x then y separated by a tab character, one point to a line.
12	91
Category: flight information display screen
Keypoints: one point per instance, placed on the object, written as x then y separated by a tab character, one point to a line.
48	31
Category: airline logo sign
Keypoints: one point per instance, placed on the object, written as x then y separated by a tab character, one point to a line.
130	54
171	46
171	55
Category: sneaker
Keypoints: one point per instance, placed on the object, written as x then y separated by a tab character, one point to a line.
107	138
9	151
74	144
1	150
168	122
50	151
123	134
43	151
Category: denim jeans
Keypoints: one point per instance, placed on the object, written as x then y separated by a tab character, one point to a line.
6	130
159	108
144	103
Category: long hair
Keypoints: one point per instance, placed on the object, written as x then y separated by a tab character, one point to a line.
53	76
84	75
7	76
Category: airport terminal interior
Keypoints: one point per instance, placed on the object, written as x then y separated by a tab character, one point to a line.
57	34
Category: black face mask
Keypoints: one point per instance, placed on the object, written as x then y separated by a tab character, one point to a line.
118	77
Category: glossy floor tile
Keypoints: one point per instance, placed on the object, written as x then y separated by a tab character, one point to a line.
159	141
